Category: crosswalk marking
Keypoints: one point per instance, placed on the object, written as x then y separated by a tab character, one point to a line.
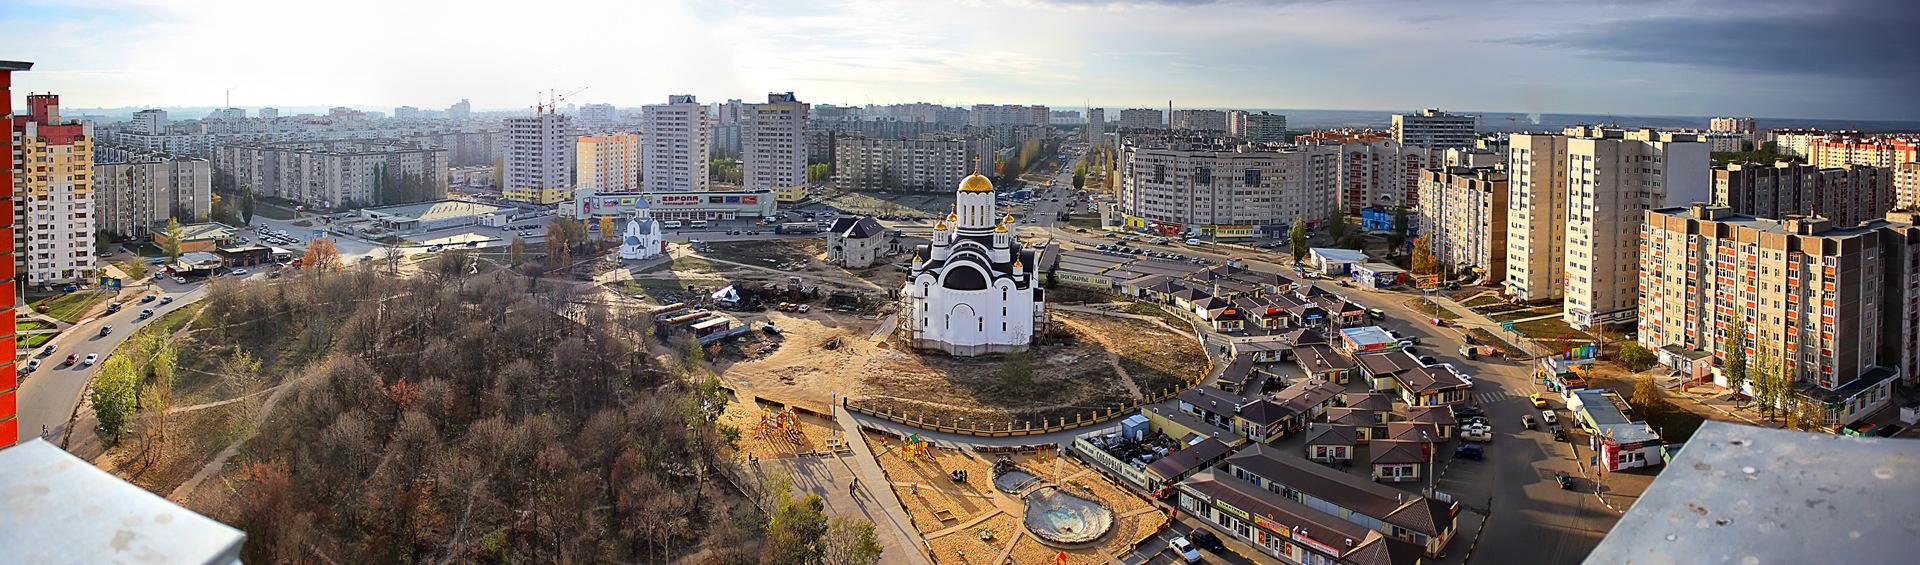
1496	396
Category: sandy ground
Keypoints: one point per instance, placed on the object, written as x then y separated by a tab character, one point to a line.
763	436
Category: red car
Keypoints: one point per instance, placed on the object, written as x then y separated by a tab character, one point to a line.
73	358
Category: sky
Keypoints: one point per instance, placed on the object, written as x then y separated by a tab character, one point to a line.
1840	59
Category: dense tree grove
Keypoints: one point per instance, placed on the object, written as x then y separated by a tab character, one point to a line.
455	418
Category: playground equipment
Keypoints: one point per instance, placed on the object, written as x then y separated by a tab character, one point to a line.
916	447
782	423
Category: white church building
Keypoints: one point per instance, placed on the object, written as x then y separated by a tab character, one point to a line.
974	290
642	238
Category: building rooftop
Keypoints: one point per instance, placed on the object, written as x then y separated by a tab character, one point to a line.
1351	543
62	509
1337	254
1347	491
1746	494
437	210
1188	458
206	231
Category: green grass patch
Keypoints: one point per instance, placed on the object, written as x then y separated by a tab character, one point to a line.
303	224
37	340
1431	309
1145	309
658	289
690	263
30	325
1483	300
1091	222
266	210
68	307
1513	315
135	269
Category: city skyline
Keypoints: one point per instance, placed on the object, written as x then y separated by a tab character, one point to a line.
1704	57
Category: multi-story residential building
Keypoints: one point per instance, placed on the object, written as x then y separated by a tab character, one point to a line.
676	145
1205	121
598	116
773	144
150	122
460	110
1237	123
1829	304
1848	195
1265	128
338	173
539	159
934	163
1838	151
1374	170
1065	118
1463	216
1906	186
136	192
608	162
1208	186
53	195
1142	118
1434	129
406	113
269	113
1096	124
1612	177
1742	126
1007	115
1536	216
1796	142
9	388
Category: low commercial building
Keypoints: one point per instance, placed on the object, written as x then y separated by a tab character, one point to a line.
1620	441
1335	261
1427	522
195	238
1282	528
715	205
1379	275
430	216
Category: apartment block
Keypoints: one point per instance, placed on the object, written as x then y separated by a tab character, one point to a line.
539	158
1208	121
1463	216
9	333
1849	195
1434	129
1096	124
1266	128
137	192
608	162
1830	303
1796	142
676	146
150	122
338	173
1842	150
1744	127
1906	186
1613	177
935	163
1536	216
1142	118
1216	187
598	116
773	144
1007	115
1375	170
55	216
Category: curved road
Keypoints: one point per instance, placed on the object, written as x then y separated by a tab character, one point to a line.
49	394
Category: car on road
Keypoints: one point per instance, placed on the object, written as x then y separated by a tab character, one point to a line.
1527	420
1480	433
1473	452
1376	313
1206	540
48	350
1080	230
1187	551
1464	411
147	313
239	272
114	307
1559	434
159	261
1565	480
147	298
104	330
91	357
71	359
164	300
1538	401
34	364
1548	417
1469	352
180	280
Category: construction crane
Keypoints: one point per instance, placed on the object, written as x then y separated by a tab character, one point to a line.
553	102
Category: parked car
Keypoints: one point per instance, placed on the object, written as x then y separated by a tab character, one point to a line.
180	280
1481	433
1464	411
1565	480
1185	548
1206	540
48	350
33	364
1559	434
91	357
1473	452
1548	417
1538	401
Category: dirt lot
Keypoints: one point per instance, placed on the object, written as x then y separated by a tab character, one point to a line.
761	436
926	205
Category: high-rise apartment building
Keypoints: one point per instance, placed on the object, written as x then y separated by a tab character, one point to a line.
269	113
1205	121
1007	115
1463	218
1237	123
773	144
676	145
539	158
1613	177
1839	150
150	122
595	116
1906	186
608	162
1217	188
1834	306
55	216
1434	129
460	110
406	113
334	173
1096	124
1264	127
1374	170
9	333
1849	195
933	163
1536	216
137	192
1745	127
1142	118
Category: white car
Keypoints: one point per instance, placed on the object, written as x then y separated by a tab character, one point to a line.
1480	433
1185	548
1548	417
180	280
239	272
91	357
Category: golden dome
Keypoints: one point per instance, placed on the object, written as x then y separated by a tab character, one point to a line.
1002	228
1009	219
942	226
976	183
951	217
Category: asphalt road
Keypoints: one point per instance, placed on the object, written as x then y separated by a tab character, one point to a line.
49	394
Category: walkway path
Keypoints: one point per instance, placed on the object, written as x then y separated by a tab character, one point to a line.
1113	360
867	468
957	441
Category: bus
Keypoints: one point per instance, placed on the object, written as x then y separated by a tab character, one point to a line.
696	224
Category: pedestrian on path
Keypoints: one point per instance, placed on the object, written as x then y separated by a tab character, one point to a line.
913	488
853	488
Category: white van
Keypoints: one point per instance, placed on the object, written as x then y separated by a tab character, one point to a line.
671	224
697	224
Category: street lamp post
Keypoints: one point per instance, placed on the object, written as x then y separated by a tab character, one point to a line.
1428	443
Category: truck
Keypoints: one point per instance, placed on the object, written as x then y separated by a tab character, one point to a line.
715	329
797	227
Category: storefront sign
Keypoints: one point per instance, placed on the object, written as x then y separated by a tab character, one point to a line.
749	200
679	199
1310	542
1230	509
1273	526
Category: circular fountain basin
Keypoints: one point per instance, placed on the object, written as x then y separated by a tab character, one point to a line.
1063	518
